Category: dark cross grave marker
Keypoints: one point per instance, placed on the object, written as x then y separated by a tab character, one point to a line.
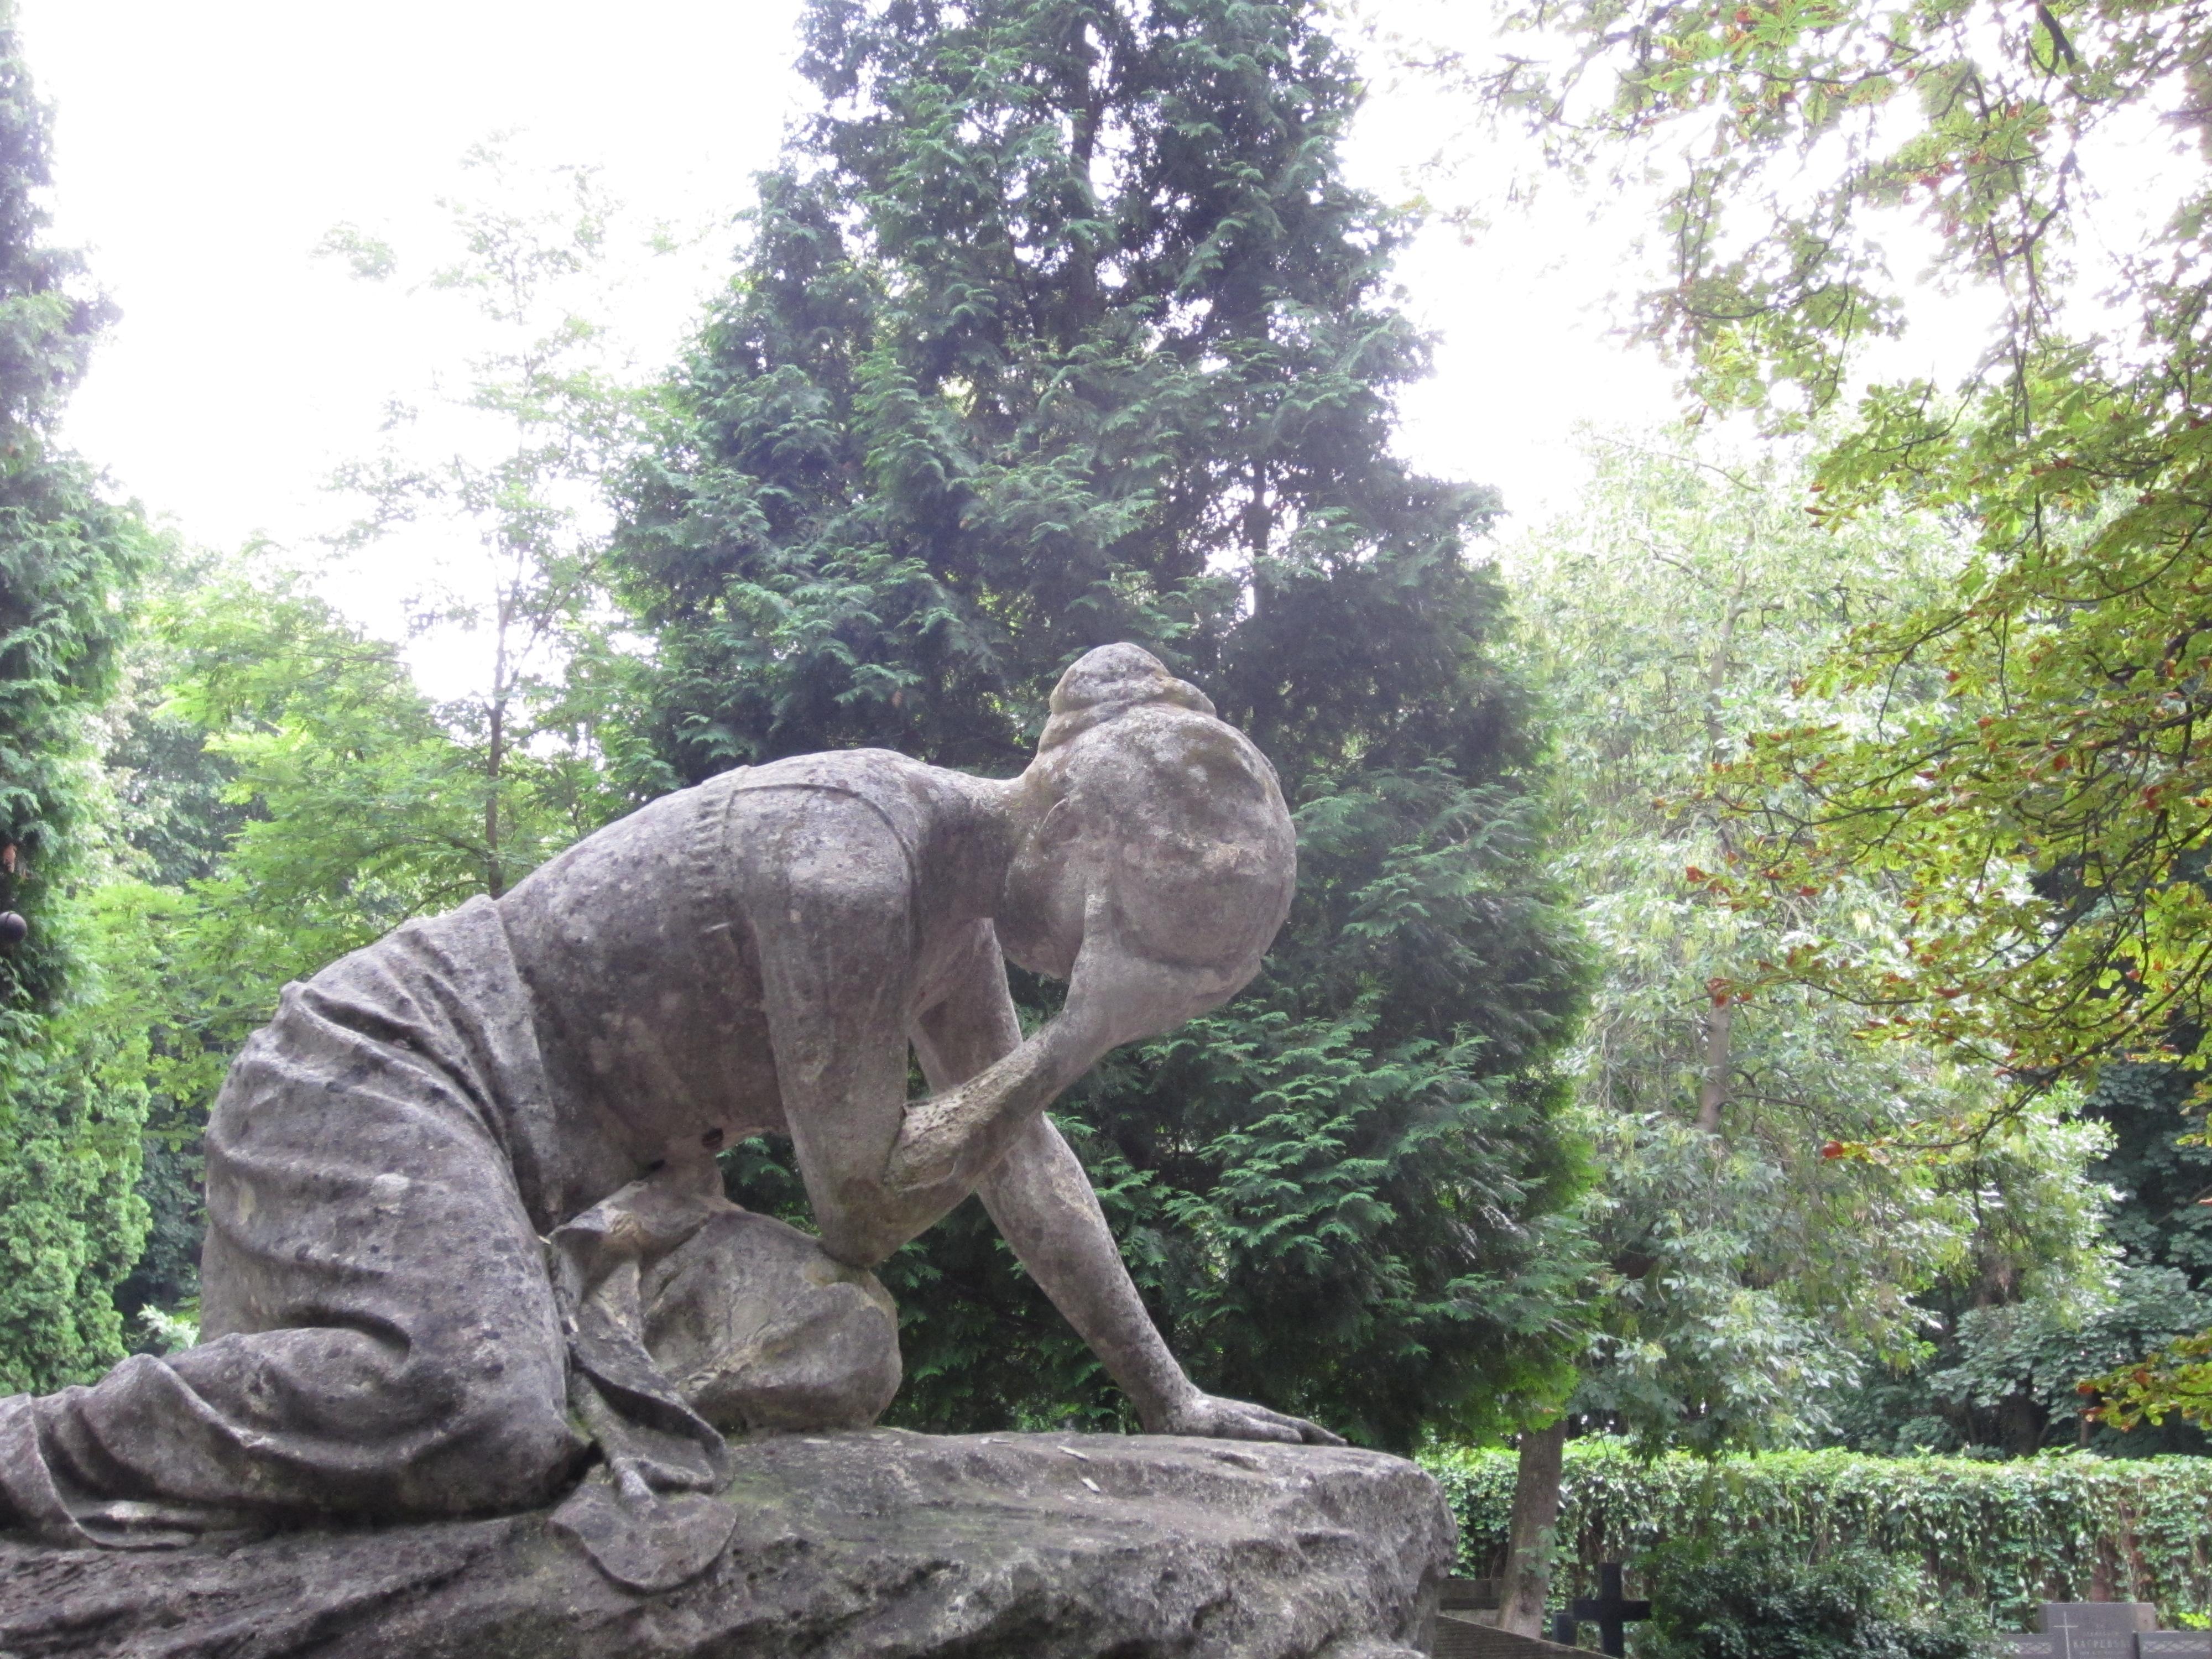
1609	1610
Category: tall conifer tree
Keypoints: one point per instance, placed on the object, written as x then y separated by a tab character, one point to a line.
70	1222
1057	325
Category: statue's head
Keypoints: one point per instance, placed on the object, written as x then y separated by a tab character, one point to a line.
1139	794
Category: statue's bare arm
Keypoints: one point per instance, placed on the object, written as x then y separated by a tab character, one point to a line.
830	912
1042	1200
830	906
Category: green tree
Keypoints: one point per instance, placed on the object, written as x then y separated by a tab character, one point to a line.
1059	325
1679	603
284	794
515	468
288	789
174	817
357	806
2158	1171
292	795
2046	815
70	1221
1751	1271
2014	1381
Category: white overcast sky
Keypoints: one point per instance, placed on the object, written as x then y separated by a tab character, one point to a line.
203	150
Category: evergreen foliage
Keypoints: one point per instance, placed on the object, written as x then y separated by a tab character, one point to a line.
2159	1169
1059	326
70	1224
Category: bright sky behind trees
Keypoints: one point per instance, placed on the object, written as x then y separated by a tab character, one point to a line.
202	152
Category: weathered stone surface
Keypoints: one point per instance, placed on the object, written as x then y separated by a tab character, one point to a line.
759	1327
880	1543
1460	1636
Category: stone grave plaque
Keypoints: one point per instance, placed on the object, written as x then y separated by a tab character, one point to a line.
2033	1647
1458	1637
2174	1644
2098	1618
2098	1630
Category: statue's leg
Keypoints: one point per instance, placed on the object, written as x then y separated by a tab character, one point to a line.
379	1334
760	1328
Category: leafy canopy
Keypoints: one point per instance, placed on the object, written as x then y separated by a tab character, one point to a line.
503	485
2045	806
1752	1274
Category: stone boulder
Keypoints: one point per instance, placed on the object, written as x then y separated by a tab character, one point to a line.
876	1543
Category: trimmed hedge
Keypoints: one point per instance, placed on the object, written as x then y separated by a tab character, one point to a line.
2064	1526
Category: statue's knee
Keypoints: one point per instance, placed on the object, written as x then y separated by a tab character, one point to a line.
531	1453
759	1329
489	1440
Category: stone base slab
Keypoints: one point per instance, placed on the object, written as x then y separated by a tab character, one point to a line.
876	1543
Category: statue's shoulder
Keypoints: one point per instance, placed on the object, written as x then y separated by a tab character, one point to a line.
701	824
880	781
860	771
887	797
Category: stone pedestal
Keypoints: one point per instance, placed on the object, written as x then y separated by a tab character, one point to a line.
879	1543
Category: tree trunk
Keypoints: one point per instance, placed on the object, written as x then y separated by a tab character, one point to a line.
495	871
1528	1579
1712	1089
1720	1018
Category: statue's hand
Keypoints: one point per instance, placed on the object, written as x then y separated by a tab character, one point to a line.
1236	1419
1120	996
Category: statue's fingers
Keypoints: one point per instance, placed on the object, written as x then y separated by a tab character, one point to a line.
1258	1422
1311	1433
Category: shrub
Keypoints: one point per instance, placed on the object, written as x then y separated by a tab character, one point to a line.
1771	1603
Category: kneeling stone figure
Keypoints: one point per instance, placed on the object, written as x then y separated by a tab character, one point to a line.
464	1219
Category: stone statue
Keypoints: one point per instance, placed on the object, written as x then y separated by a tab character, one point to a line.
466	1221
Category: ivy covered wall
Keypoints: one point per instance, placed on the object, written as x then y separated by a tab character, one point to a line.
2063	1525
